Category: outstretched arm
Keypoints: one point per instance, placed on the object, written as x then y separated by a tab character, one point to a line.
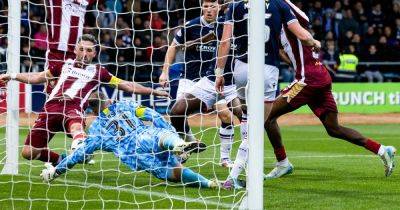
133	87
79	155
28	78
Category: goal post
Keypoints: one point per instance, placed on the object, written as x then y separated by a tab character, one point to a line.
13	66
256	104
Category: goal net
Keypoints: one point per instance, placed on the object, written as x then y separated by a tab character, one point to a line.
132	41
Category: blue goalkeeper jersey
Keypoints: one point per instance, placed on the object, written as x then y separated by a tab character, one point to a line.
126	117
120	129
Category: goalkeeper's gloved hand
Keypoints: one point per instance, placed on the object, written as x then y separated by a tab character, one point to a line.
49	173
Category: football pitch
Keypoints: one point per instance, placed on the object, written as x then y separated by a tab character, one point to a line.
329	174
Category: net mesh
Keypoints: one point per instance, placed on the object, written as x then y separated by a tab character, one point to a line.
133	38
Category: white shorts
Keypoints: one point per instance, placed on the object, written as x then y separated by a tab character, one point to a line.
204	90
184	86
271	75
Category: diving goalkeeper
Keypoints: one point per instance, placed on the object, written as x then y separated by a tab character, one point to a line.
152	148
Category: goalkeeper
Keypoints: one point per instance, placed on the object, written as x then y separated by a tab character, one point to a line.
152	148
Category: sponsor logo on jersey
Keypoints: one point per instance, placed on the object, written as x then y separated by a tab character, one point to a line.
205	48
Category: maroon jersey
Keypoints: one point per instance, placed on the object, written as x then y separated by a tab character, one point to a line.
75	84
308	66
65	21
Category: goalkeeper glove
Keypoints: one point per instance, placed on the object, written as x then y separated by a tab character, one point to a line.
49	173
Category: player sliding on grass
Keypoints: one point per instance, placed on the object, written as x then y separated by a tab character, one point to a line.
152	148
277	12
312	87
63	110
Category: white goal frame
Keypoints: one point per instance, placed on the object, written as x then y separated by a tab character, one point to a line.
13	66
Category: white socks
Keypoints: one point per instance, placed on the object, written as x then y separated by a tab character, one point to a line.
284	162
381	150
226	137
241	160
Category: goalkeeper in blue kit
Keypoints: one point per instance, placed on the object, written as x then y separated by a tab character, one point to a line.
154	148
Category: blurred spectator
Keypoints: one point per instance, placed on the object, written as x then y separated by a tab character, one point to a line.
348	23
40	41
370	37
141	27
356	42
348	64
106	17
156	21
372	70
156	53
140	52
361	16
127	37
331	56
386	52
376	18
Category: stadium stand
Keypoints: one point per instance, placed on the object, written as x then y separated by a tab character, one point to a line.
136	37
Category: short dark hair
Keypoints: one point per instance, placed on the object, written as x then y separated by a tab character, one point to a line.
88	37
211	1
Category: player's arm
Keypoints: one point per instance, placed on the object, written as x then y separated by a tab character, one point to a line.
294	26
151	115
77	156
169	59
303	35
222	56
28	78
133	87
204	39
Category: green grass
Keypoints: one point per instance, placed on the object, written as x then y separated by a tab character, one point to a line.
329	174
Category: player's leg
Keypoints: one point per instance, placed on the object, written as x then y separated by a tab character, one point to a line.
188	177
75	127
226	132
240	75
283	166
292	97
334	129
172	142
35	147
324	107
181	110
184	87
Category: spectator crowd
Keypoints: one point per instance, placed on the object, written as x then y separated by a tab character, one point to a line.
137	32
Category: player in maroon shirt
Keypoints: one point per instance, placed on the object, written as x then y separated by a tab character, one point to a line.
63	111
313	87
65	20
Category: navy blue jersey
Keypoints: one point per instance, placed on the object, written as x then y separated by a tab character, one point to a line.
277	12
199	57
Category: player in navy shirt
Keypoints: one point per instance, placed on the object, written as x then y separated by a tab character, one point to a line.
196	89
277	13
